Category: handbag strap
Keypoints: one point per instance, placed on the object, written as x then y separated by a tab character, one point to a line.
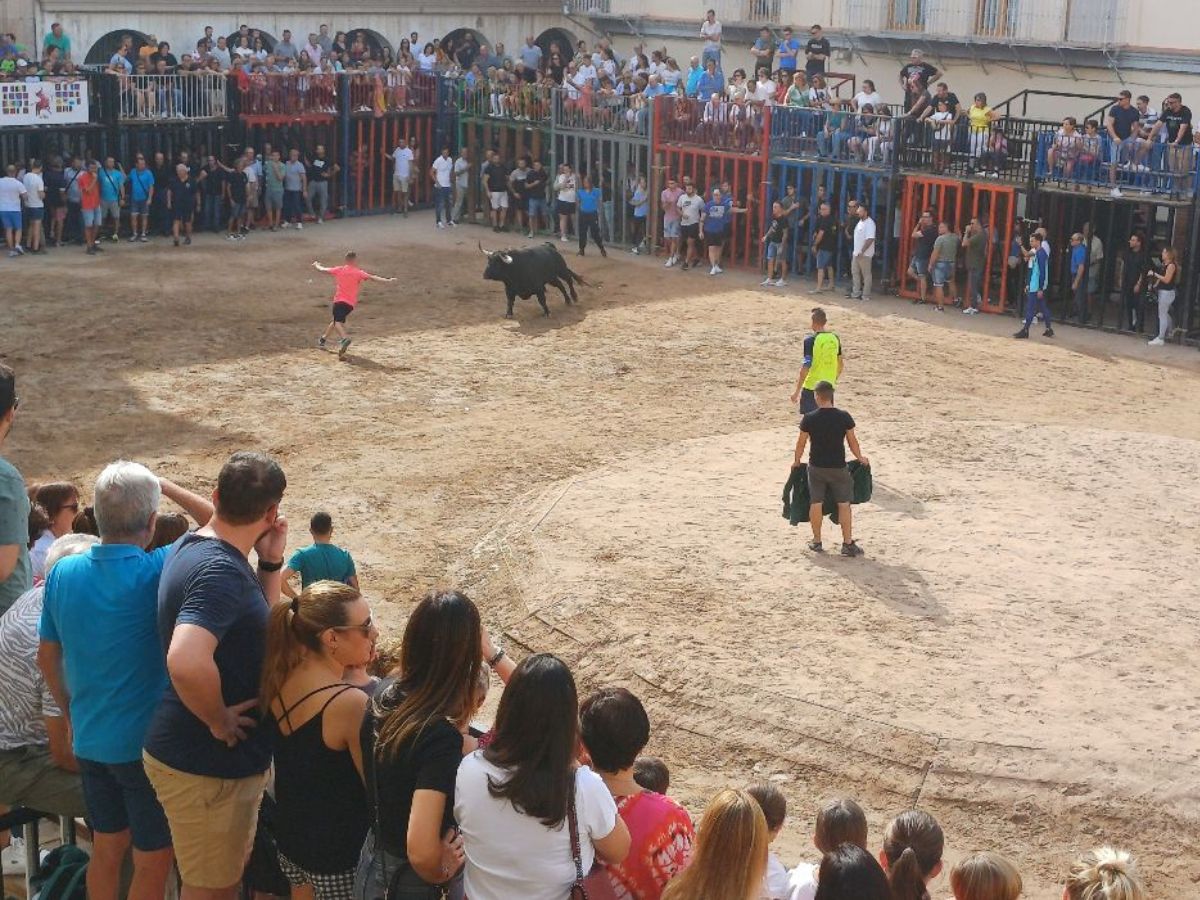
573	826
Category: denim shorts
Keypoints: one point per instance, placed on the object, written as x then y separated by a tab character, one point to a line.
10	218
35	213
119	797
236	210
920	265
943	272
775	250
670	228
91	217
824	259
537	206
139	207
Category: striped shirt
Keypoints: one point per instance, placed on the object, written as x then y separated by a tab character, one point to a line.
24	696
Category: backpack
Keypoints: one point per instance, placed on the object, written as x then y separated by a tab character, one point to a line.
61	876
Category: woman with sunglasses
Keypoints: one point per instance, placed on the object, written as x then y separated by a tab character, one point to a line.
60	502
314	715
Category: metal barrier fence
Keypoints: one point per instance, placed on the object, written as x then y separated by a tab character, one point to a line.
389	92
813	182
519	102
1006	150
599	112
511	140
729	126
1096	160
370	172
616	164
287	95
865	139
195	95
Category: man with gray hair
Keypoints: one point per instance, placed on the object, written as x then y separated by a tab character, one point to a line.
37	767
102	660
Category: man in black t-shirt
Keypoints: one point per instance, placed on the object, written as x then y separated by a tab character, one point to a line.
1177	120
915	77
816	52
1120	123
830	430
824	242
235	195
923	237
213	189
319	171
535	197
495	176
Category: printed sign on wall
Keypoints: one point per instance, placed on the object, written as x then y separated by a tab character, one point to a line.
43	102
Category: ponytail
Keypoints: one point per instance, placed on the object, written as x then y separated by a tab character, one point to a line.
912	844
906	878
294	626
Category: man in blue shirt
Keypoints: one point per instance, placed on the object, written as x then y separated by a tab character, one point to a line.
322	560
789	49
112	194
693	78
141	192
103	662
711	82
1039	278
718	215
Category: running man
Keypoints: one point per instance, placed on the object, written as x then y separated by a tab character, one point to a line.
831	430
822	363
347	278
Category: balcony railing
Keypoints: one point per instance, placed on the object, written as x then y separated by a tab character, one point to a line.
575	111
285	94
731	126
1143	166
516	102
1094	23
839	136
143	98
392	92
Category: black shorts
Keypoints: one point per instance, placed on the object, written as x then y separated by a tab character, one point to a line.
519	202
836	482
690	232
182	212
563	208
808	402
341	310
714	240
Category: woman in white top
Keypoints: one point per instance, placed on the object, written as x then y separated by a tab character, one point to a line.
764	88
60	501
670	74
512	800
427	59
868	94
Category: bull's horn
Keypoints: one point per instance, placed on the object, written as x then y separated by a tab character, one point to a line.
506	258
481	250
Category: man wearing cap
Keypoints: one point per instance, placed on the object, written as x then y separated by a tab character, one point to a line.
822	362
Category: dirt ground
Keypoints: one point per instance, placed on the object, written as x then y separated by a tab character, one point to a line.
1016	653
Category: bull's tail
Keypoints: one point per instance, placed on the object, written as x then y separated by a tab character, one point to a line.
577	277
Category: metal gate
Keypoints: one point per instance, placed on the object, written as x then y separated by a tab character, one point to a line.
22	144
511	139
368	180
957	202
815	182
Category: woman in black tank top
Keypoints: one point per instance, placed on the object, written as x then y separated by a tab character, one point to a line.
315	716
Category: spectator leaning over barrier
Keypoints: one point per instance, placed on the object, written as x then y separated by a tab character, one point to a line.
203	754
1176	120
614	729
37	767
102	660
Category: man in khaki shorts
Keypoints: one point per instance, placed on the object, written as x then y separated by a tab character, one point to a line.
204	755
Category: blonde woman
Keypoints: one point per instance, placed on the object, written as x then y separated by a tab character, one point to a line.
1166	283
730	855
1105	873
314	716
985	876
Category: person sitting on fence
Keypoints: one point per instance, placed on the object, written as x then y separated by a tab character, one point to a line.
866	127
1089	150
994	159
1064	148
941	123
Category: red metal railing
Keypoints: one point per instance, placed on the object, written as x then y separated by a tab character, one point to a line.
395	91
288	94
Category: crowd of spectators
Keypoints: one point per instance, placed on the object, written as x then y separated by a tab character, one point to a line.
161	677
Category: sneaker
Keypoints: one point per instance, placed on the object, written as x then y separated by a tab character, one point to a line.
284	225
779	282
1116	193
440	225
96	246
1022	334
343	345
13	253
854	296
91	251
1049	332
970	311
712	271
670	262
299	226
766	281
816	547
852	549
634	250
114	237
320	221
453	224
604	253
133	238
1156	342
564	239
717	270
321	342
686	265
273	228
187	241
231	237
176	242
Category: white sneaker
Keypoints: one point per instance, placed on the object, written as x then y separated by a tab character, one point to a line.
717	270
766	281
440	225
1116	192
286	225
713	270
1157	342
779	282
299	226
670	262
564	239
133	238
531	235
453	224
634	251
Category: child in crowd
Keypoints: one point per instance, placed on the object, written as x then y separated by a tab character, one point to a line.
774	807
912	854
652	774
839	821
1105	873
985	876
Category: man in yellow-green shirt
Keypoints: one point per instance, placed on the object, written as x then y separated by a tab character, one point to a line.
822	362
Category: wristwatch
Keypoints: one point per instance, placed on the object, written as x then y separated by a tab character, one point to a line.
500	654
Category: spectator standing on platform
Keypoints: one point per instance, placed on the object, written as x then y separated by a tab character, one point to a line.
37	767
710	33
12	192
203	754
102	660
141	194
1176	119
16	571
322	560
57	39
284	48
816	52
789	51
763	50
1120	123
1039	283
863	255
35	204
915	77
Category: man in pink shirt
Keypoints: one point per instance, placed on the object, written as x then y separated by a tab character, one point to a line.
671	227
347	278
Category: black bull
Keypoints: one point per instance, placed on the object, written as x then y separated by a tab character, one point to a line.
526	273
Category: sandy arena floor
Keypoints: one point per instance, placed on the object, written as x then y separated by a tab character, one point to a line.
1016	653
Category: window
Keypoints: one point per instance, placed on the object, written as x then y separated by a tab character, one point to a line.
906	15
996	18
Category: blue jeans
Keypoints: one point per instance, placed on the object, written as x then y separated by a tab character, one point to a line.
441	203
713	53
375	868
119	797
293	206
1034	305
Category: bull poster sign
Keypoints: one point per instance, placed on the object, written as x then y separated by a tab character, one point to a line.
43	102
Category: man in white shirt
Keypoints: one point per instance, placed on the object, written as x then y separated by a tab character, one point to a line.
441	172
864	252
868	94
710	31
313	49
221	54
585	75
35	203
12	191
691	207
402	157
253	170
462	183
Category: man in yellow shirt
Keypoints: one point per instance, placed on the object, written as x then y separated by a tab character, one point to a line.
822	362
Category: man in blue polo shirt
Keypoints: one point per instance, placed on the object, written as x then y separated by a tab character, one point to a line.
102	658
141	193
112	195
